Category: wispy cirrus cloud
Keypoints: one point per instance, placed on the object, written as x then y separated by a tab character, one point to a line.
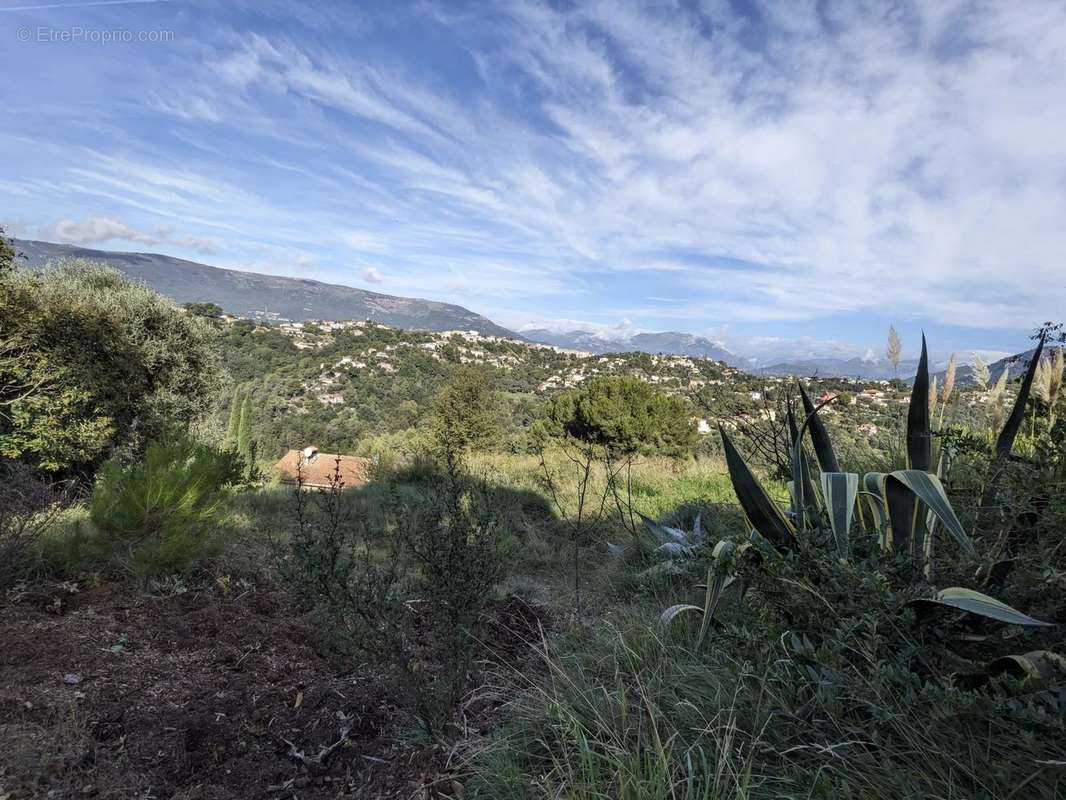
776	167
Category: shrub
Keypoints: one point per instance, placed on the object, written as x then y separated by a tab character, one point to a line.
165	512
92	363
401	580
28	507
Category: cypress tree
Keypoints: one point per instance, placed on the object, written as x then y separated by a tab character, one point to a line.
244	434
233	427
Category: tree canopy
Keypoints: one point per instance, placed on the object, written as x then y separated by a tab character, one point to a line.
465	413
92	363
625	415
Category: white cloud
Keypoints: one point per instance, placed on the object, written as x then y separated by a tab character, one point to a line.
371	275
95	230
860	159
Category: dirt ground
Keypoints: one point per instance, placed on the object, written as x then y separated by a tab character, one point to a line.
109	693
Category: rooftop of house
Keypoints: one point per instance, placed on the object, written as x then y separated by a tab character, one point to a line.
315	469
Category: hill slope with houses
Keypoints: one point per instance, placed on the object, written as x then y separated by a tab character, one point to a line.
338	384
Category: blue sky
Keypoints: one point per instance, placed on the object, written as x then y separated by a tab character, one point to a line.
758	172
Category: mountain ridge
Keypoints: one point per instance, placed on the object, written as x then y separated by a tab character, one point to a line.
270	297
667	342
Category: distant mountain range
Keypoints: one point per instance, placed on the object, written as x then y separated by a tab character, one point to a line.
866	369
269	296
280	298
1017	364
669	342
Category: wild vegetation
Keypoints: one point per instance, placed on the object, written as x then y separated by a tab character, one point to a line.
553	584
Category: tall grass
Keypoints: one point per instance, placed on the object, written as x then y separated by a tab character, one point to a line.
622	712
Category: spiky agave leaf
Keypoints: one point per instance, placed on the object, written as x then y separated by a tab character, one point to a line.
804	498
918	439
976	603
1006	437
873	491
823	446
902	509
840	490
762	512
719	576
798	512
1036	664
665	533
928	488
670	614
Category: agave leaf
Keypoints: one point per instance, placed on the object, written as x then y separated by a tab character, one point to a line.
804	498
1006	437
840	490
676	549
792	430
1039	664
874	491
930	490
617	550
797	509
761	511
919	453
823	447
672	612
668	567
976	603
697	528
808	493
664	532
718	578
902	507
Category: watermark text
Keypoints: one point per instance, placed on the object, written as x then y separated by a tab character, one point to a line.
76	34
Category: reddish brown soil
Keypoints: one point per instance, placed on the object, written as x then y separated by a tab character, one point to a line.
108	693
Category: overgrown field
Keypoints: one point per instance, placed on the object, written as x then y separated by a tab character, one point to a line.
582	600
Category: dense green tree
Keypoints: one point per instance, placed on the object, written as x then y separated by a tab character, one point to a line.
625	415
93	364
213	310
466	414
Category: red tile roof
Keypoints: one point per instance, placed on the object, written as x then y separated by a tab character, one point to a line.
317	471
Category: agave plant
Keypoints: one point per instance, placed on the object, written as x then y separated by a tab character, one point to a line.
720	576
675	547
908	507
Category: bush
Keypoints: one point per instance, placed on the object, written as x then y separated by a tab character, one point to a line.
28	507
400	580
93	364
167	511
